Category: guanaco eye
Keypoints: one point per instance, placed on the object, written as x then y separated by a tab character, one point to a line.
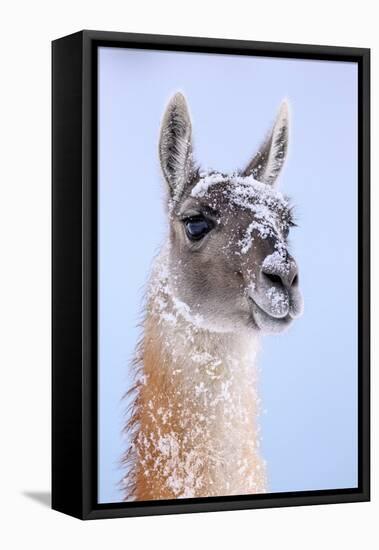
197	227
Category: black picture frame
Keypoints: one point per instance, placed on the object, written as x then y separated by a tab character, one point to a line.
74	273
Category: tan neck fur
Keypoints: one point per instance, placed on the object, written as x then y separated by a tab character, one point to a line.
194	420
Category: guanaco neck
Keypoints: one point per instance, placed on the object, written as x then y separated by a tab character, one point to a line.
194	424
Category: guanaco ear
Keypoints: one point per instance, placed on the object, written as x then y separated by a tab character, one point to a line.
175	148
268	162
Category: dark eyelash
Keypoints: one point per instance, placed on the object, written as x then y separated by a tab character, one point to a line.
291	220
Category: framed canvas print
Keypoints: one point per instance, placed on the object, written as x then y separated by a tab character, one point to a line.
210	274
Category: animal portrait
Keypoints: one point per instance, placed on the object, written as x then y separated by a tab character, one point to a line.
227	276
224	276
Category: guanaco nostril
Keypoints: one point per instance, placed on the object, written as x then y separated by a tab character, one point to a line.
295	280
273	278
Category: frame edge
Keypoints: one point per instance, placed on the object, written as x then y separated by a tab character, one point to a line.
67	425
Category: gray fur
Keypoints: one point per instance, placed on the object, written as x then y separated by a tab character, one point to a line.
175	148
241	275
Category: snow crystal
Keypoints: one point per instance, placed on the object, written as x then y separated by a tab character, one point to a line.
277	263
242	190
279	300
202	186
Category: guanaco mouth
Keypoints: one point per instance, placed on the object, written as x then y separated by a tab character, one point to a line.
278	321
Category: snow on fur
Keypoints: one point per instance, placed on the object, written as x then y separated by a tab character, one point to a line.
194	416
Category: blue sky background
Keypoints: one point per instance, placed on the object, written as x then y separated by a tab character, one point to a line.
308	379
